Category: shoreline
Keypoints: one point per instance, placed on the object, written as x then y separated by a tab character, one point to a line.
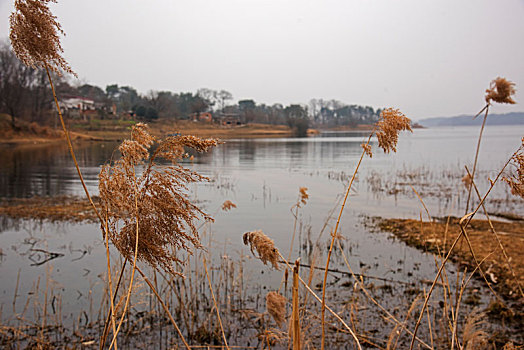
436	237
163	128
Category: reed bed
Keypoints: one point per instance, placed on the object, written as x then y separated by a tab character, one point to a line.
159	290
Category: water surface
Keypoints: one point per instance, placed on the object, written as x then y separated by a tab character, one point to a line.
262	177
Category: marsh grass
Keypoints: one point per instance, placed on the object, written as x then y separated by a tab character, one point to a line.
166	217
146	213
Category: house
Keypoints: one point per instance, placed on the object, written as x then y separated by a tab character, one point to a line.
202	117
80	103
78	107
230	119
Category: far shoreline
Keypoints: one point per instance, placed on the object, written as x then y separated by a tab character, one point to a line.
163	128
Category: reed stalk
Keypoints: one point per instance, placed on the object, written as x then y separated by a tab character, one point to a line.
164	306
295	316
70	145
216	305
333	237
111	313
477	154
492	228
128	297
326	306
467	219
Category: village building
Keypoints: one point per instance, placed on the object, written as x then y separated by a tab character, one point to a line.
78	107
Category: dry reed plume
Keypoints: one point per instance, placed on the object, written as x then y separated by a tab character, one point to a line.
165	214
35	35
276	306
303	195
516	181
474	337
467	181
367	149
500	90
391	122
264	246
228	205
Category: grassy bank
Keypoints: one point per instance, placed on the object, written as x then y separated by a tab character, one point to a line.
117	130
437	237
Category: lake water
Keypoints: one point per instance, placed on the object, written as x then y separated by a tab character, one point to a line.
262	177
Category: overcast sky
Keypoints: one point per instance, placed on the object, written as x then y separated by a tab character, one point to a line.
427	58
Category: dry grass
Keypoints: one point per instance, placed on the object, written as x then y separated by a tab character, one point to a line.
516	180
35	36
388	127
202	129
58	208
303	196
264	246
474	337
437	237
276	307
367	149
146	212
228	205
156	200
501	91
391	122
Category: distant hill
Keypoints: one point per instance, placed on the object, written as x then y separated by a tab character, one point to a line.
515	118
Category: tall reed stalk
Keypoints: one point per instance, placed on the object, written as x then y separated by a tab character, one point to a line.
500	91
463	224
295	315
34	34
387	129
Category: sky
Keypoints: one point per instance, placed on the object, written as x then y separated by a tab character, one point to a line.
426	58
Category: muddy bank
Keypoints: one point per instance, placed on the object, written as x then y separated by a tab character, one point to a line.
437	237
59	208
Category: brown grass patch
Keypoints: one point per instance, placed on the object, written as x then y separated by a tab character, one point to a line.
433	236
59	208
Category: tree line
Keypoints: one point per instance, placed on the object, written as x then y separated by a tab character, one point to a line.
25	95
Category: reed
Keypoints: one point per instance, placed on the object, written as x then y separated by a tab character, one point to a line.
500	91
34	34
386	130
295	315
146	214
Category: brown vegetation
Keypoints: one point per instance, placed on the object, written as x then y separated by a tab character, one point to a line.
118	130
438	237
264	246
392	121
26	132
35	36
58	208
276	306
149	217
152	205
516	180
501	91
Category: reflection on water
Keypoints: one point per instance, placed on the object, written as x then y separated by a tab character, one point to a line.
46	170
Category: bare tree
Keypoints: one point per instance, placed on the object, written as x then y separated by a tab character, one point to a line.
224	96
15	82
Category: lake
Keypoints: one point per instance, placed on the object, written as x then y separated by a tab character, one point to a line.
262	177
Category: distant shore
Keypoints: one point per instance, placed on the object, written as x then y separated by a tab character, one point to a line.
32	133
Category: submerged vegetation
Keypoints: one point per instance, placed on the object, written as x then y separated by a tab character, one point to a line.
145	212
